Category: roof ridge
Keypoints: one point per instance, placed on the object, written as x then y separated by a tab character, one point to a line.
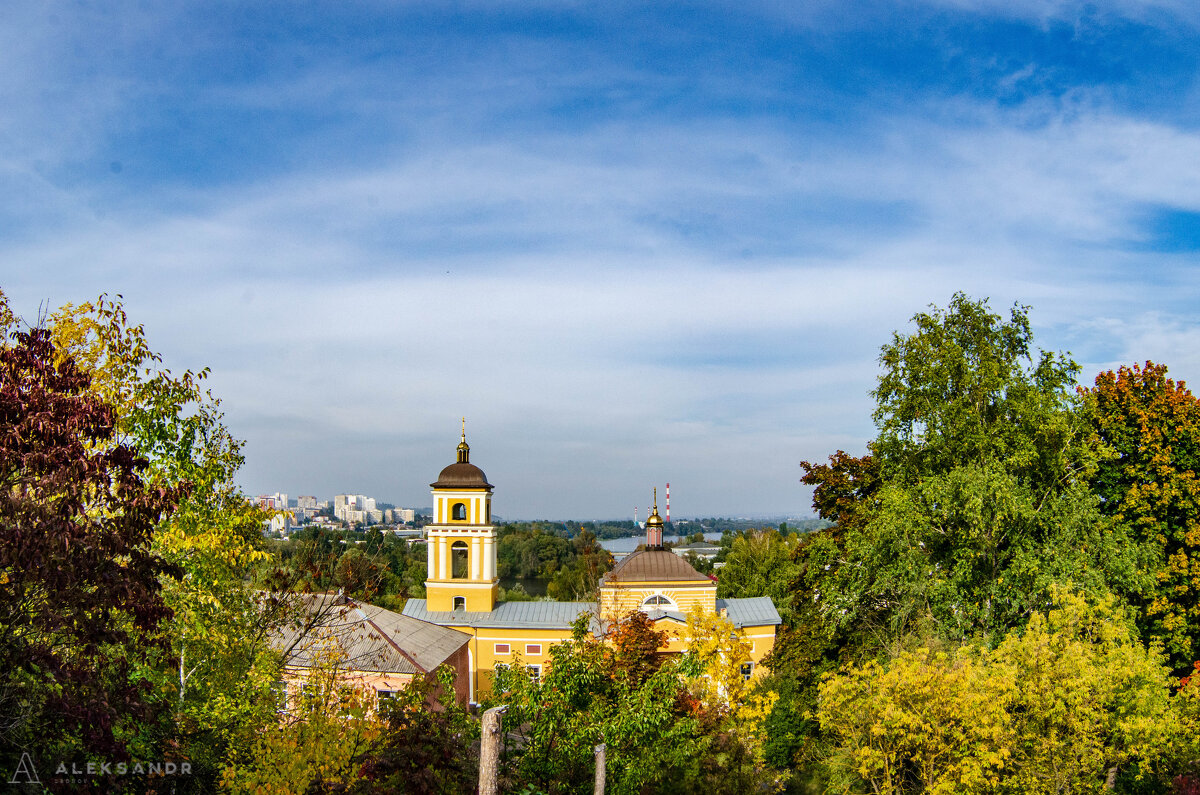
387	637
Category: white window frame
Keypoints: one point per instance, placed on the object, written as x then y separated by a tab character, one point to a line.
666	604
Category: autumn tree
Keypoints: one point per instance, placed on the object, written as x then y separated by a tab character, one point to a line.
1149	482
1069	703
81	601
219	670
319	741
664	729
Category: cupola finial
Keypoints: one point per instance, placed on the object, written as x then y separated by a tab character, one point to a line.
464	449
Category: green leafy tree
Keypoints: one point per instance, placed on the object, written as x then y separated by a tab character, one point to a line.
759	563
219	670
319	743
984	501
427	746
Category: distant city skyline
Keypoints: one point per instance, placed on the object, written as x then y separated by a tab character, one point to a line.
632	243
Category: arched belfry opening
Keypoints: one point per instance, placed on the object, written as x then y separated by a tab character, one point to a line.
459	512
460	560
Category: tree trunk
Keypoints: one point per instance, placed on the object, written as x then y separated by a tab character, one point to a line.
601	754
489	751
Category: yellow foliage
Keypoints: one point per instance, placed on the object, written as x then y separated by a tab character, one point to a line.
715	655
1053	709
328	730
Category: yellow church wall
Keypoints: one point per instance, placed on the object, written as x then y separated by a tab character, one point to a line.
616	600
479	596
475	501
484	656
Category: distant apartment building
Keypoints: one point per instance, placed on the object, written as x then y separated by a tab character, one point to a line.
272	502
356	509
279	523
307	503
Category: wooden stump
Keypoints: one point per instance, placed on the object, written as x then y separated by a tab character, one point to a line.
489	751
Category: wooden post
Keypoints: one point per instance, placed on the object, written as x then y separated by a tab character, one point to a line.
489	751
601	754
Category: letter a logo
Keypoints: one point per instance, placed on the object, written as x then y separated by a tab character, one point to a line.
25	773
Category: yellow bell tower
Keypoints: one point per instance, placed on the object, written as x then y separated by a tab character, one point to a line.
461	540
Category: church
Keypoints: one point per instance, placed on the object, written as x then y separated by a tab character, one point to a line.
461	587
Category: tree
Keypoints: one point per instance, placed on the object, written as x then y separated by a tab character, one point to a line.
1149	482
759	563
80	594
426	747
1061	706
219	671
983	500
928	721
319	744
649	710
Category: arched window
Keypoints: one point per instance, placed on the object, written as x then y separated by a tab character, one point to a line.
460	604
459	512
658	602
459	560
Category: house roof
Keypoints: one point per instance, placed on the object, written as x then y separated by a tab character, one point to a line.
653	565
753	611
366	638
515	615
756	611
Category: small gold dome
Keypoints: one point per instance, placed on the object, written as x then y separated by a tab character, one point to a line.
654	520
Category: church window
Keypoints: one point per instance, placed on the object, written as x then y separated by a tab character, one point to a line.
458	560
747	670
503	648
533	648
459	512
460	603
658	602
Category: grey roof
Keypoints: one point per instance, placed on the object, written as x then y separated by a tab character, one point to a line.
653	565
517	615
756	610
366	638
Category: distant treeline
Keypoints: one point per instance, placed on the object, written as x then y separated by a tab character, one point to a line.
607	529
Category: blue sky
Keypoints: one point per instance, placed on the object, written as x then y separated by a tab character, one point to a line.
632	243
